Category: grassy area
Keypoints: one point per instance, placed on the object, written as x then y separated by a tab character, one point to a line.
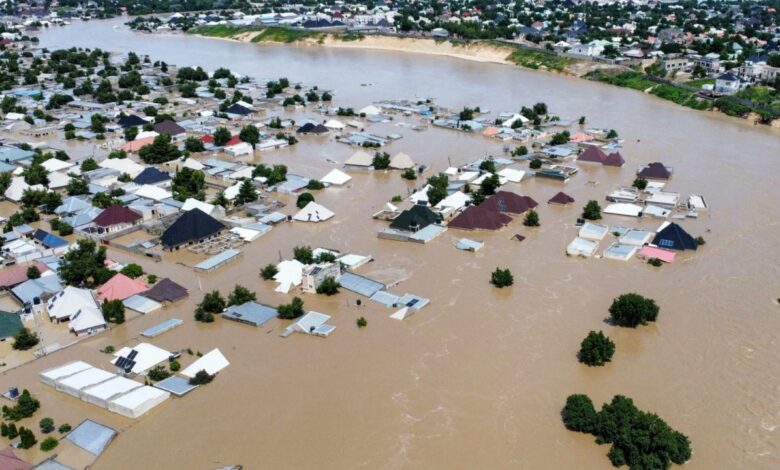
700	82
348	37
680	96
633	80
535	60
218	31
762	95
283	35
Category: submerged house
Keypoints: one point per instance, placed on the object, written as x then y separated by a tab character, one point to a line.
655	171
505	201
191	227
480	218
414	219
674	237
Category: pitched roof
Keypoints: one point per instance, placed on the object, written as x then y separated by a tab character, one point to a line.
131	120
592	154
236	108
505	201
49	240
116	214
416	218
120	287
166	291
306	128
137	144
479	218
17	274
191	225
168	127
151	175
675	237
561	198
655	171
614	159
9	461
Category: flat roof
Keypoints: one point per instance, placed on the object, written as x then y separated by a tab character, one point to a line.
360	285
218	260
252	313
161	327
91	436
176	385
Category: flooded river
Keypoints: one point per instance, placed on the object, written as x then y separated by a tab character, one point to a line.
478	378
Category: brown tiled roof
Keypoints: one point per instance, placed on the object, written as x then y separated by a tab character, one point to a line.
561	198
116	214
505	201
592	154
480	218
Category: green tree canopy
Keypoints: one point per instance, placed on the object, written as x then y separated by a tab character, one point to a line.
596	349
632	310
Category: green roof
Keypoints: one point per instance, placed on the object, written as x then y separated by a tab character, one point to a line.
10	323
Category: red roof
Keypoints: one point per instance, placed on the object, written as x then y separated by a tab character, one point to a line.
480	218
505	201
116	214
17	274
235	140
207	139
121	287
9	461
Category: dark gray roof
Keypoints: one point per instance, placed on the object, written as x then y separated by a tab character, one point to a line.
191	226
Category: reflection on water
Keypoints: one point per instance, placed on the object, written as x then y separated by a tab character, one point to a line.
477	379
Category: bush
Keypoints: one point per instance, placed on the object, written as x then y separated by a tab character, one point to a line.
175	366
655	262
303	199
269	271
292	310
240	295
33	272
203	316
46	425
201	378
24	339
329	286
151	279
27	437
535	164
639	439
592	210
314	185
501	278
64	428
212	302
640	183
579	414
158	373
133	271
409	174
49	443
700	240
361	322
632	310
113	311
596	349
304	254
531	219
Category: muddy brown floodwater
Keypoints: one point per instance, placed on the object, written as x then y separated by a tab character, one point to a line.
478	378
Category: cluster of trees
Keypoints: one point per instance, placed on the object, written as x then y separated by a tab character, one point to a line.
83	265
639	439
188	183
26	406
305	255
161	150
438	189
632	310
273	175
214	303
329	286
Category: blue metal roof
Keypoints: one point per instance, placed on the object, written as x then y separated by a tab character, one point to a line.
251	312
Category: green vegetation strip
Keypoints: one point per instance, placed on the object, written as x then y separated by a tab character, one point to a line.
535	59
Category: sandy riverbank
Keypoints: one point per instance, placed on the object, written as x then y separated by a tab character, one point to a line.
476	52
